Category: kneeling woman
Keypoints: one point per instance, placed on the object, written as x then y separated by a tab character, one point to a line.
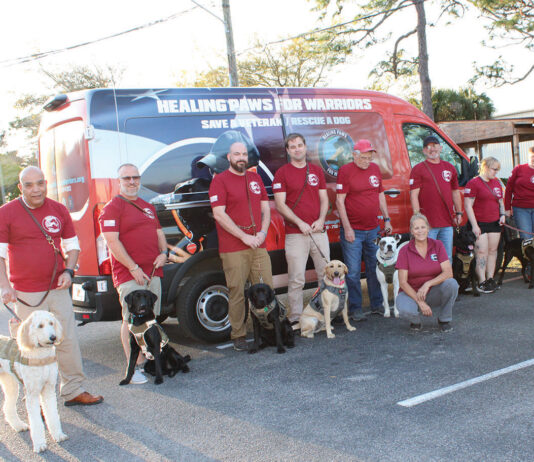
425	278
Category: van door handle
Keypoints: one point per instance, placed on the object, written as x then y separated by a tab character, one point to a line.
392	192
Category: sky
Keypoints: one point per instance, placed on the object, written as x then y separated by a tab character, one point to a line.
157	56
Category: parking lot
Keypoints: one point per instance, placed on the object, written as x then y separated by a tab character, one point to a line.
348	398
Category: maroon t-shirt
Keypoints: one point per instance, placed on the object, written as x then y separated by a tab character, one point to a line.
430	201
421	270
31	257
520	188
290	179
137	233
230	190
362	188
486	205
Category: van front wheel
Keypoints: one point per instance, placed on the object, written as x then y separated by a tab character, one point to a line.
202	307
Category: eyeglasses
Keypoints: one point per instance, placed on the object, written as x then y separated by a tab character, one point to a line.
130	178
366	159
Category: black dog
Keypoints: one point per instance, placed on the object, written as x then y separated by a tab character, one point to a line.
271	326
463	262
147	335
523	250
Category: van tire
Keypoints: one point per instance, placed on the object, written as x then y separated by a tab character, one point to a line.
202	307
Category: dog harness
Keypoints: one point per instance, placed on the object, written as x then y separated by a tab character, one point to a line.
139	333
340	292
388	270
262	314
525	244
466	259
10	350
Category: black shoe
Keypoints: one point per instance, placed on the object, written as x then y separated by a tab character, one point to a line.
357	317
492	284
486	288
240	344
377	310
415	326
445	326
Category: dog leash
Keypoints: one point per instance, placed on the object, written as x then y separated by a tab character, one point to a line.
518	229
12	312
313	240
151	276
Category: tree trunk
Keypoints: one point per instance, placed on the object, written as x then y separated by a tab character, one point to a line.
424	77
232	63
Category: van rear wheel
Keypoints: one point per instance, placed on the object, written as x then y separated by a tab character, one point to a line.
202	307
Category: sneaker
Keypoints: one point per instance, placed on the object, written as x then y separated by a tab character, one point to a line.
377	310
415	326
357	317
138	377
485	288
445	326
240	344
492	284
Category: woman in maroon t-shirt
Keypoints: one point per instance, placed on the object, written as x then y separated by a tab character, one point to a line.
485	210
425	277
519	197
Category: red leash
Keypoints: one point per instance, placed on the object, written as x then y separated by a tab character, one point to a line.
517	229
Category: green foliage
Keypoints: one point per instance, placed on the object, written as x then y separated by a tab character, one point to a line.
463	104
10	167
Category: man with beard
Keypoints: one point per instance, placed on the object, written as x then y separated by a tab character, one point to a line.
241	211
433	190
138	247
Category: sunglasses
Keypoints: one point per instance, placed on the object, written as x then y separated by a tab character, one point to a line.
130	178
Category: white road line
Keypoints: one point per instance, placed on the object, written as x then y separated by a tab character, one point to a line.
444	391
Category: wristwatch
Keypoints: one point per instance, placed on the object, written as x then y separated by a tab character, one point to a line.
460	213
71	272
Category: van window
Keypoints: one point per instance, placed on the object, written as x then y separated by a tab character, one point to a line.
63	160
330	138
414	134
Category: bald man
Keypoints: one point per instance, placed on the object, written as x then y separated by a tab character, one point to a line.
241	210
33	284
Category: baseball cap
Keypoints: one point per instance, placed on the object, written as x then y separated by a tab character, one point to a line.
430	139
363	146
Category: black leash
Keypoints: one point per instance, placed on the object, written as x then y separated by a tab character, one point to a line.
313	240
12	312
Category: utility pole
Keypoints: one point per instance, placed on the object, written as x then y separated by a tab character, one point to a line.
232	64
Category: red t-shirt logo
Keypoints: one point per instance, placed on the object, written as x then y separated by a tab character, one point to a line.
446	175
374	181
497	191
149	213
434	257
313	180
532	179
51	224
255	187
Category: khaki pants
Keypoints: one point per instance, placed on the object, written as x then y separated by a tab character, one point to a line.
69	357
129	286
298	247
238	267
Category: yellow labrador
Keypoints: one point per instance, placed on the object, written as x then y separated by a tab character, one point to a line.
330	300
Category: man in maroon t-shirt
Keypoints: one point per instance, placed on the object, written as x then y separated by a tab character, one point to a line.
360	199
138	247
300	194
31	271
241	211
436	204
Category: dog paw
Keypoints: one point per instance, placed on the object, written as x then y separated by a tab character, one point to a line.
331	335
281	350
185	369
124	382
351	328
39	446
387	314
396	313
252	351
158	381
60	437
20	426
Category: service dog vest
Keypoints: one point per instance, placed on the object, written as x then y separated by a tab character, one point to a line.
139	333
388	270
466	259
262	314
10	350
340	292
525	244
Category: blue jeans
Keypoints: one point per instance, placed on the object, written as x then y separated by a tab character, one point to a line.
524	219
352	254
445	235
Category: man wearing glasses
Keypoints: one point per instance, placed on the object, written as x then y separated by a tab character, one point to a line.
360	199
138	248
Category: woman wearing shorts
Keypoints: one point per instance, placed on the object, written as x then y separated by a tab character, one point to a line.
485	210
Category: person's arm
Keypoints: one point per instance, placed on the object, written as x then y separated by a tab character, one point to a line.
65	280
161	259
119	252
288	214
468	204
318	225
384	211
508	195
414	200
220	215
265	222
502	213
457	201
347	228
409	290
9	294
446	273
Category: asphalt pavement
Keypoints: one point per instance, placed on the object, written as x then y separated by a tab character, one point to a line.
325	400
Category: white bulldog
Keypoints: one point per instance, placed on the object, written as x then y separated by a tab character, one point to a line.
386	256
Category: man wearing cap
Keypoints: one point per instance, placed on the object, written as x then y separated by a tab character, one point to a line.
241	210
360	199
138	249
433	191
300	194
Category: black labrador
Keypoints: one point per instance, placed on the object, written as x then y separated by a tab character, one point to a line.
271	326
148	336
463	261
523	250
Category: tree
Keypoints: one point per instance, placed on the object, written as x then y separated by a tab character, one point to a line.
369	21
300	63
10	167
463	104
511	22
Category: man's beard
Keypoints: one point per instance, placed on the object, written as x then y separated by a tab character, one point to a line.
239	166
